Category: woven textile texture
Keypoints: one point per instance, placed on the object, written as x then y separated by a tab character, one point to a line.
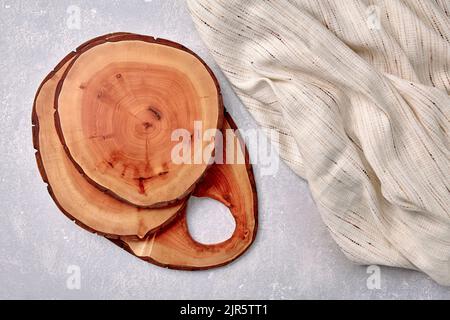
358	92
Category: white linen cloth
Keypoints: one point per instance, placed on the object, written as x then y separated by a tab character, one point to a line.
359	92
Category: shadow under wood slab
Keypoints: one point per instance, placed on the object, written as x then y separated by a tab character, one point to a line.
231	184
117	105
91	208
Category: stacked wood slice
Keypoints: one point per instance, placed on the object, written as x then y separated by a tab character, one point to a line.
103	124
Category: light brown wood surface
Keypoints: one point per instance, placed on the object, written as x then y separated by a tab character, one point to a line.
154	231
231	184
117	107
78	199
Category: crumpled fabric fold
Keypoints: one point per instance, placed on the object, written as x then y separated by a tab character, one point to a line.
360	90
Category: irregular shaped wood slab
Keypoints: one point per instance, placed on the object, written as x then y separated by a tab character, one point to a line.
231	184
118	103
94	210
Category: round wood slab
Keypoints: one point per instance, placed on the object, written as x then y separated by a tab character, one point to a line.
91	208
118	103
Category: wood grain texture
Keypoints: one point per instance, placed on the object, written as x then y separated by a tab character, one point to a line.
94	210
158	235
117	105
231	184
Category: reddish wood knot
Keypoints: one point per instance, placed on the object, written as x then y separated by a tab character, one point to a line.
141	183
155	112
118	76
147	125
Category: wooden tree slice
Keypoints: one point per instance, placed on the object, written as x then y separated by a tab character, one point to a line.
80	201
117	105
173	247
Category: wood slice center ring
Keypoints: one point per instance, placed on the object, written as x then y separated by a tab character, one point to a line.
117	106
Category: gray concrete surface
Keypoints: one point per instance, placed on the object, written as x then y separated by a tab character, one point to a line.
293	257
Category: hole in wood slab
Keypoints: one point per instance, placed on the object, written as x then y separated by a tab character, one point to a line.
209	221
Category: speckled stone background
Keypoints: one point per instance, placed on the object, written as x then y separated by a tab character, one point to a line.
293	257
